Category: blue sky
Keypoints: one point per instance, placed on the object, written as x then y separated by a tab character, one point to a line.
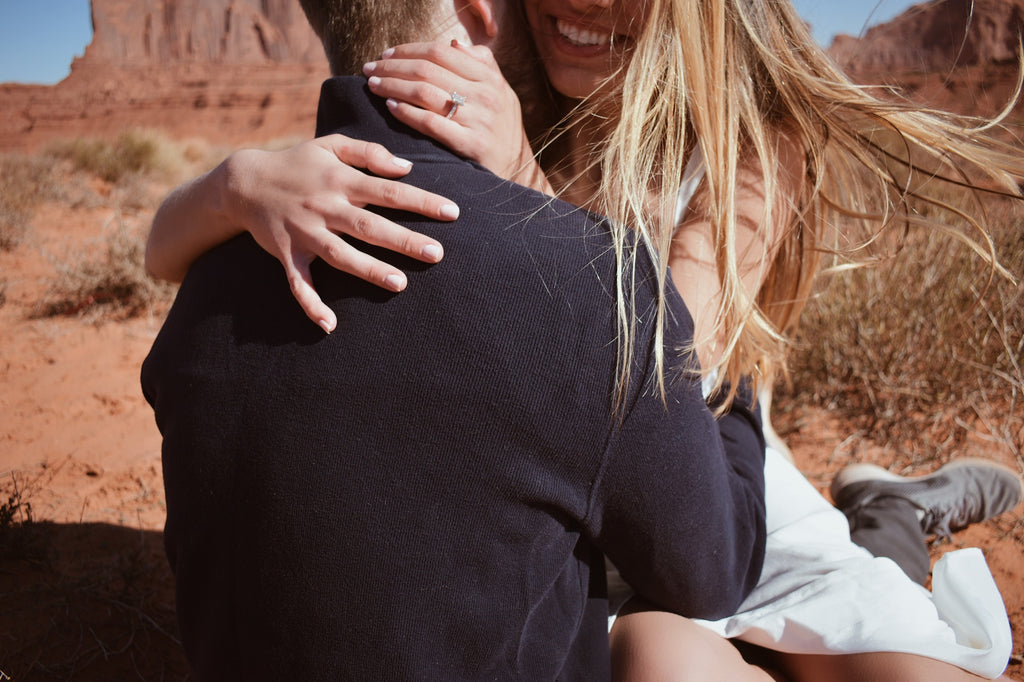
828	17
39	38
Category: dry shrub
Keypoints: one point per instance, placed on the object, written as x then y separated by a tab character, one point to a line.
15	514
27	182
132	153
923	348
115	281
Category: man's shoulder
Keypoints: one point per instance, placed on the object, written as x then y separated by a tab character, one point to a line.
494	211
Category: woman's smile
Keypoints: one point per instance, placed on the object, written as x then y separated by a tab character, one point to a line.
580	48
580	37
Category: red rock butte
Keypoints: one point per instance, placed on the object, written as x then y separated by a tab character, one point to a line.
956	55
230	71
248	71
937	36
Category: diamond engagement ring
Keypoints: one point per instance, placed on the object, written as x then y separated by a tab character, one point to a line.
457	101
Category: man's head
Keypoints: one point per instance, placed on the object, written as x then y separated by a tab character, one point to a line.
356	31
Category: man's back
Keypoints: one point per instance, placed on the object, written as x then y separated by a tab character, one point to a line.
422	493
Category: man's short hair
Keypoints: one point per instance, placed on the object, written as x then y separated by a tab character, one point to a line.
356	31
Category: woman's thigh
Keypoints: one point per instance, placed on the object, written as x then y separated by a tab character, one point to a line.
653	645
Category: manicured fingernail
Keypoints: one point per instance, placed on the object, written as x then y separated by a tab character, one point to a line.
326	326
386	54
374	81
401	163
369	67
450	211
391	102
395	282
433	252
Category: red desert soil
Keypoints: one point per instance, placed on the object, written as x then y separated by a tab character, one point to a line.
85	589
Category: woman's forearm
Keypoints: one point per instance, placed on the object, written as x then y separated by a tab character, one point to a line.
192	219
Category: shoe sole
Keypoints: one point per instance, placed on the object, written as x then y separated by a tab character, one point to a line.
857	473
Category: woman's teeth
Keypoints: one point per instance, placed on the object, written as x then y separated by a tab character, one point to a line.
581	37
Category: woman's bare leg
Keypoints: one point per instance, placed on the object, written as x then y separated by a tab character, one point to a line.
655	646
871	667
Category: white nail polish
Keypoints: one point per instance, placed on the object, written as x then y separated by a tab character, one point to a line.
386	54
325	325
401	163
433	252
395	282
391	102
450	211
374	81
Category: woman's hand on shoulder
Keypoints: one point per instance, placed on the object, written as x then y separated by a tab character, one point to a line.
423	83
296	203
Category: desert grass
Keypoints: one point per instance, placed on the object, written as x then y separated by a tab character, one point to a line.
130	174
111	283
15	516
27	182
61	172
133	152
923	349
134	170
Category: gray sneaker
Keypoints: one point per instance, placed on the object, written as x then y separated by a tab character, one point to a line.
960	493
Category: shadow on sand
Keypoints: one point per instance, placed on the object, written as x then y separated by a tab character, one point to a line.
87	601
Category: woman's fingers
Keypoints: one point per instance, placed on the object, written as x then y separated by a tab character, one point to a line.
450	132
344	210
341	255
367	226
300	281
348	215
456	94
362	189
424	95
468	63
369	155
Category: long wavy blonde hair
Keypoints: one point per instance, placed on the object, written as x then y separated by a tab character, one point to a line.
731	77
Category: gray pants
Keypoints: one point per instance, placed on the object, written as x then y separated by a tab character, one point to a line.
889	527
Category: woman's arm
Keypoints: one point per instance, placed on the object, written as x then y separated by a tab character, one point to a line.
294	202
692	257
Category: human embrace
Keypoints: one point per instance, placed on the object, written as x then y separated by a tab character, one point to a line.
503	402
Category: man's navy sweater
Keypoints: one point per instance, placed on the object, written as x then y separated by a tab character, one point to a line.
427	493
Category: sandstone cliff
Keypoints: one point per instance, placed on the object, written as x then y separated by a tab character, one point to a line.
956	55
234	71
245	71
937	36
141	32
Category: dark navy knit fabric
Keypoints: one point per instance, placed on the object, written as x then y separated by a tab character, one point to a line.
427	493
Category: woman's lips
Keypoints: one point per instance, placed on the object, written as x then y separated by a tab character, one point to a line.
583	41
581	37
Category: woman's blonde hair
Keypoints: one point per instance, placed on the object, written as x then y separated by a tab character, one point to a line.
735	78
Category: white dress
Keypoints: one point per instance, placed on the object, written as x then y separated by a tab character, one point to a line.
819	593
